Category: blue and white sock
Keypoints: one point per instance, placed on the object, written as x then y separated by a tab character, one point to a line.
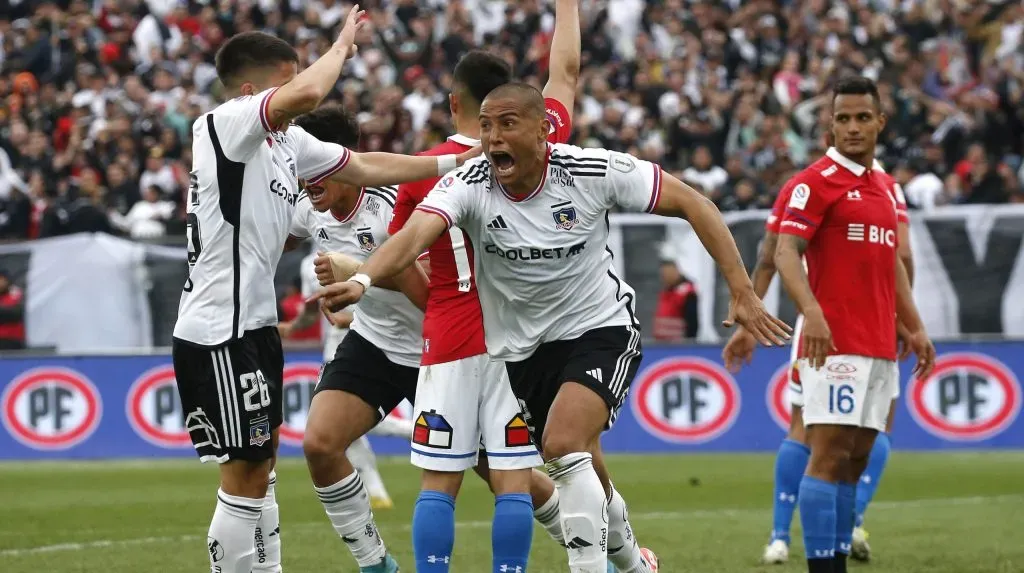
872	475
512	532
790	464
433	531
818	501
846	499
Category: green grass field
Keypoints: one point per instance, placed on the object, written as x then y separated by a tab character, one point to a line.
934	513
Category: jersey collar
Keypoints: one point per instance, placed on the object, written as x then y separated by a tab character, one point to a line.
844	161
355	208
463	140
540	186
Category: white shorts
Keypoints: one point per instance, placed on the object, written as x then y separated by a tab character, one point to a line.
464	406
849	391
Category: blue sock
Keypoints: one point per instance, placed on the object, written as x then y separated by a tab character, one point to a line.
512	532
846	499
790	464
818	515
872	475
433	531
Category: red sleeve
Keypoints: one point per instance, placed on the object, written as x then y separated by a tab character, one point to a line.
409	196
805	209
778	208
561	121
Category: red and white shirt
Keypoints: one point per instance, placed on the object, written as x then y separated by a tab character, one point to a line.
848	215
453	327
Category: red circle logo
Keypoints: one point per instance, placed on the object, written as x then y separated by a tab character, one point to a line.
779	406
686	400
51	408
154	409
968	397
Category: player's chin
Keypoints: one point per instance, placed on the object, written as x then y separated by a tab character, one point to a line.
319	201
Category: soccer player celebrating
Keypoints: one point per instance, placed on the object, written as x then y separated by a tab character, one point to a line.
843	218
227	352
791	459
553	308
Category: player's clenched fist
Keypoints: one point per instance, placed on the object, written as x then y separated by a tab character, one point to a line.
747	309
334	267
816	340
339	295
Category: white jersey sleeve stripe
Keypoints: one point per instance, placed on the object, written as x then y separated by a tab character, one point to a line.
265	110
342	162
440	213
656	192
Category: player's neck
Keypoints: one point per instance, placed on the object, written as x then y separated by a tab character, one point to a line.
467	127
865	159
345	204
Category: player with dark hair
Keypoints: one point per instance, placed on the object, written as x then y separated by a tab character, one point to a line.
791	459
227	352
842	216
553	308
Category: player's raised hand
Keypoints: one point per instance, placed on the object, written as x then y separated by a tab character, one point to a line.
816	340
924	350
355	21
748	310
739	350
334	267
339	295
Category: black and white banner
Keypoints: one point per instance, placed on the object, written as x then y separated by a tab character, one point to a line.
101	293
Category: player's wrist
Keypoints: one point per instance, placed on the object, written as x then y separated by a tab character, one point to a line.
446	163
362	279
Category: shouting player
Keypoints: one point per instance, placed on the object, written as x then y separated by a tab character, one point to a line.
319	215
842	216
553	308
791	459
227	352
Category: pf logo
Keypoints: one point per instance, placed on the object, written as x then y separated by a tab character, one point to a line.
154	409
51	408
299	382
686	400
779	404
968	397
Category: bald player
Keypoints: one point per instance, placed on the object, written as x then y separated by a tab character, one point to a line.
554	310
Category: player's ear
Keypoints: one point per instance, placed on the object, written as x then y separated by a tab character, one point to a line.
453	104
545	125
248	89
882	120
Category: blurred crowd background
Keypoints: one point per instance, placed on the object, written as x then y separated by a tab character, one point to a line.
97	97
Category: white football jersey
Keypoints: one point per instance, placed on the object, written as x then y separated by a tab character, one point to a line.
243	190
544	268
385	318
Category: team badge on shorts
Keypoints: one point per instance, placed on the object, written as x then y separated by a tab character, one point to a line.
259	431
517	433
432	430
565	216
365	238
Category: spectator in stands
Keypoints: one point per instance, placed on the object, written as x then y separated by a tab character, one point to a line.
675	317
923	190
12	315
147	219
158	174
710	177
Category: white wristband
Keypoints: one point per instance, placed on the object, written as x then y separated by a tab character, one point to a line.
362	279
446	163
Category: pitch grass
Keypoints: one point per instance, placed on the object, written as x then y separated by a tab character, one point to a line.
935	513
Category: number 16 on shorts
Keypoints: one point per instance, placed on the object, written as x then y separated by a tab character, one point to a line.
849	391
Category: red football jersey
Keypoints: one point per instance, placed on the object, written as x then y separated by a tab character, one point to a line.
453	326
848	215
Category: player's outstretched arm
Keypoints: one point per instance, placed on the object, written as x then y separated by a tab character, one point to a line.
396	254
740	347
680	200
566	53
907	314
306	90
375	169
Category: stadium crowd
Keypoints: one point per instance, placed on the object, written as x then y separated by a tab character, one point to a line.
97	98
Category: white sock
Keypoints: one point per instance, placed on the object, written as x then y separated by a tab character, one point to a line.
348	507
623	550
550	519
361	455
232	530
584	512
394	427
268	533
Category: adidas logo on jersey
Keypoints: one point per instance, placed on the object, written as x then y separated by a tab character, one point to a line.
322	234
497	223
595	374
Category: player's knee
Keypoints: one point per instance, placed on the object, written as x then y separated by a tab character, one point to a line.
557	444
797	431
318	445
832	463
444	482
510	481
245	479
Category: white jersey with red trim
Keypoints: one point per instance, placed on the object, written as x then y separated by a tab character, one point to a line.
544	269
242	193
384	318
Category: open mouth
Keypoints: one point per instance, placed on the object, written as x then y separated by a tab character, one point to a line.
315	192
503	163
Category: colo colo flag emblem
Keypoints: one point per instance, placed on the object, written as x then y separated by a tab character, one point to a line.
685	400
51	408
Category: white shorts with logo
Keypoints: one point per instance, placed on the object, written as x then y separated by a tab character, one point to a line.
464	406
849	391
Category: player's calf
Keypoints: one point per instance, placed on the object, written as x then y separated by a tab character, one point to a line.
230	539
512	526
267	541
